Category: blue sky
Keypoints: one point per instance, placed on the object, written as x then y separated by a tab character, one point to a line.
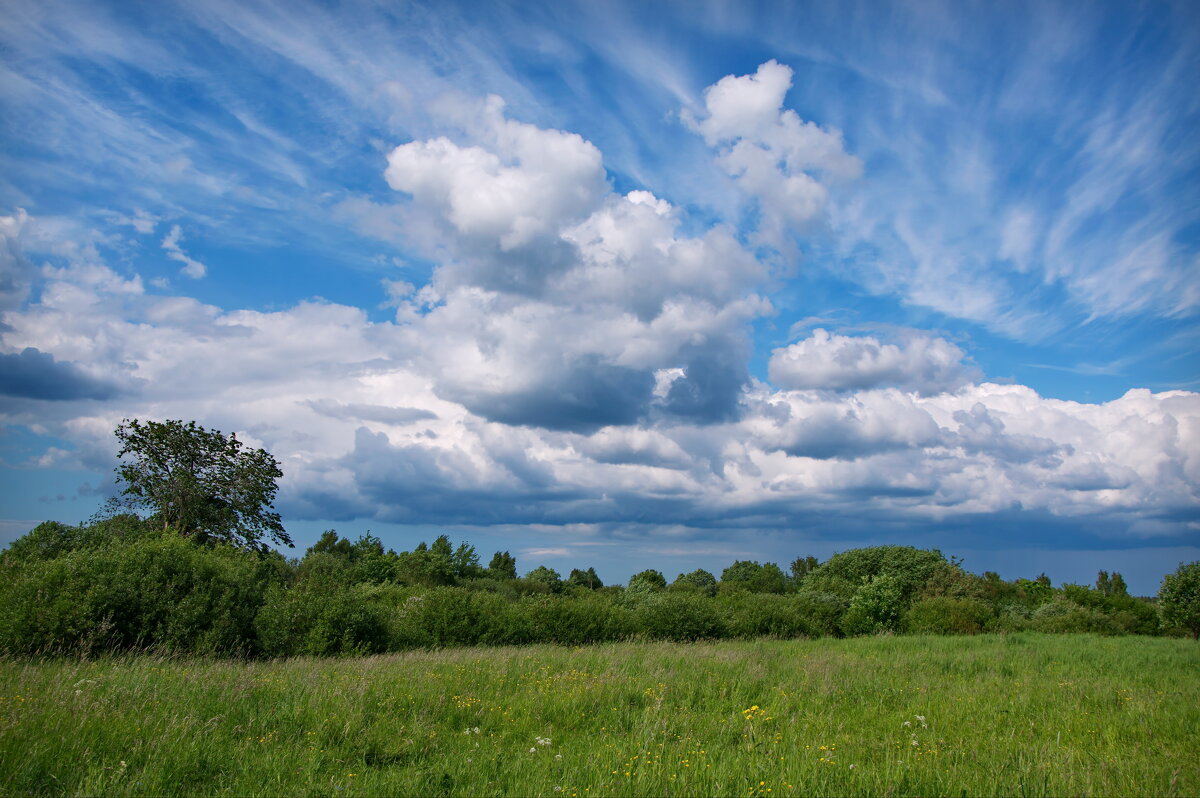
619	285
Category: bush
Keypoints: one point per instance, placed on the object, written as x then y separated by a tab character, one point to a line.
1062	615
948	616
160	591
318	620
876	606
766	615
677	616
576	620
1179	598
50	539
908	568
450	616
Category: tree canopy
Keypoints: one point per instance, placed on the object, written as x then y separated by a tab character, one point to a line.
1179	598
202	483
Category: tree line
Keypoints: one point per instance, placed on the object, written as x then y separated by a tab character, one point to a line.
192	573
127	583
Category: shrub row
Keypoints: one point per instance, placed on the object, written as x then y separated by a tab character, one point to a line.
86	590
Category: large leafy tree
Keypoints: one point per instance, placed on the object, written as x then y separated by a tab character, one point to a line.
202	483
1179	598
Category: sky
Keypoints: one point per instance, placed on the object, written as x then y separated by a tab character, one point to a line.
620	285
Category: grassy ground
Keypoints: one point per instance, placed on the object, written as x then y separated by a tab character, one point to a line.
1016	715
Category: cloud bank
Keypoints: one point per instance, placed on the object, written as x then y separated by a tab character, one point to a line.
579	356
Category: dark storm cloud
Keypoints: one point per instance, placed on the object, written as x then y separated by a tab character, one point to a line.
32	374
585	396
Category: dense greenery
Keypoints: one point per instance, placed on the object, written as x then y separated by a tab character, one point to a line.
1019	714
1180	597
125	583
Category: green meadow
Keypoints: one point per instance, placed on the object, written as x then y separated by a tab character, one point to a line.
1017	714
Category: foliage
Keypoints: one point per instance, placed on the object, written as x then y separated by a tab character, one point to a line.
876	606
199	482
698	581
546	578
677	616
122	583
753	577
945	615
502	566
648	581
750	615
587	580
319	618
1063	615
802	567
1179	598
908	568
162	592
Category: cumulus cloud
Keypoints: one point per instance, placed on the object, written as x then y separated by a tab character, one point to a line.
562	301
921	363
606	386
772	154
510	192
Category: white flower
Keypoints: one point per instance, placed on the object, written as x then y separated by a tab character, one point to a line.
476	730
914	741
558	756
908	723
543	740
533	750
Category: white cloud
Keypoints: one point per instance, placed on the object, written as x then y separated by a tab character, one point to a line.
771	154
921	363
191	267
528	186
579	357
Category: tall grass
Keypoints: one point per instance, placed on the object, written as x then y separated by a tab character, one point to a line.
1022	714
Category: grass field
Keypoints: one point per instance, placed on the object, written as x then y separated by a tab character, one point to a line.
1018	715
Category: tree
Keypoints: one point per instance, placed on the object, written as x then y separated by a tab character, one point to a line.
203	484
331	543
502	566
648	581
753	577
1179	598
547	577
802	567
699	580
585	579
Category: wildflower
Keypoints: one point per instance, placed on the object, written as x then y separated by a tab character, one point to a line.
542	740
907	723
533	750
